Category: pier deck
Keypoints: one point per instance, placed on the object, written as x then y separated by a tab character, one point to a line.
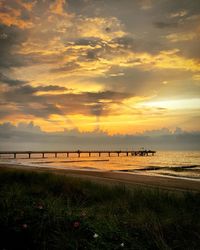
44	154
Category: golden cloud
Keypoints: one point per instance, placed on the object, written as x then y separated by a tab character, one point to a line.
13	18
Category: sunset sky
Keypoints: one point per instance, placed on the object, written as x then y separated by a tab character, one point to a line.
116	66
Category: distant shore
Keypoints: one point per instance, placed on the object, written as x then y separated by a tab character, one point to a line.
110	177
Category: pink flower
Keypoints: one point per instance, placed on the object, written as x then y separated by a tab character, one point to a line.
25	226
40	207
76	224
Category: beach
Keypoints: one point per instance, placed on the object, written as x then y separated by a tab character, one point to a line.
133	179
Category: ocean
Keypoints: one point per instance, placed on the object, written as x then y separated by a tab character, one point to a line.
175	164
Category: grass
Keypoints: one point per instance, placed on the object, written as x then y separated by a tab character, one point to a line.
46	211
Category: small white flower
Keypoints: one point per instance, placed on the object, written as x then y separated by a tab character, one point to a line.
122	244
95	235
3	36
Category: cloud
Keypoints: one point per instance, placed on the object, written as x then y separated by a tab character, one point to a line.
148	82
179	6
163	25
141	45
26	100
28	136
10	81
29	102
57	7
91	58
50	88
88	41
12	15
10	45
67	67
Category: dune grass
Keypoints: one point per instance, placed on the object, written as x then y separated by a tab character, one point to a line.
46	211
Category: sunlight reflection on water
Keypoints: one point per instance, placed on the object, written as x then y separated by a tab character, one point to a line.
174	163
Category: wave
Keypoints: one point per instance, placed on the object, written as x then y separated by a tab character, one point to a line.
50	162
171	168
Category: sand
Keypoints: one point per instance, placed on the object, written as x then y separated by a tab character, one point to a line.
110	177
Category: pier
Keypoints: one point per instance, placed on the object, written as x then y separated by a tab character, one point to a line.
44	154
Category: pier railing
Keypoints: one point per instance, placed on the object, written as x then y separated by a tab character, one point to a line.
43	154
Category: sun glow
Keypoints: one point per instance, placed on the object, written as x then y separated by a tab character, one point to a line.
174	104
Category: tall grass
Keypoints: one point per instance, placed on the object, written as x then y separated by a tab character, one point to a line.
46	211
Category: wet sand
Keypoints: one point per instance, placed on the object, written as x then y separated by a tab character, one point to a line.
110	177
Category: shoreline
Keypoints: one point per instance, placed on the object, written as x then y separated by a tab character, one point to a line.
111	177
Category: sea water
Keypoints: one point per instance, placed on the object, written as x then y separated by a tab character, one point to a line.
178	164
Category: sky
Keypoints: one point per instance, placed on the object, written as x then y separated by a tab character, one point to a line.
112	68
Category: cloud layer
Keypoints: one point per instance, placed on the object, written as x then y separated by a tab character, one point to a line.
31	137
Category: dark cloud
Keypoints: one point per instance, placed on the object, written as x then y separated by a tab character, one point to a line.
189	49
50	88
27	101
10	45
25	15
125	41
31	137
164	25
149	45
91	41
28	89
109	50
92	48
176	6
88	103
107	95
92	55
44	110
103	7
11	41
10	81
107	29
148	26
67	67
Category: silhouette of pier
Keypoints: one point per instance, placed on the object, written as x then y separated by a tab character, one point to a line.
90	153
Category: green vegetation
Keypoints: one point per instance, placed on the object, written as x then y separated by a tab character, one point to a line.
46	211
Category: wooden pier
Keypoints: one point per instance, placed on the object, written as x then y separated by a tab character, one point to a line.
44	154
